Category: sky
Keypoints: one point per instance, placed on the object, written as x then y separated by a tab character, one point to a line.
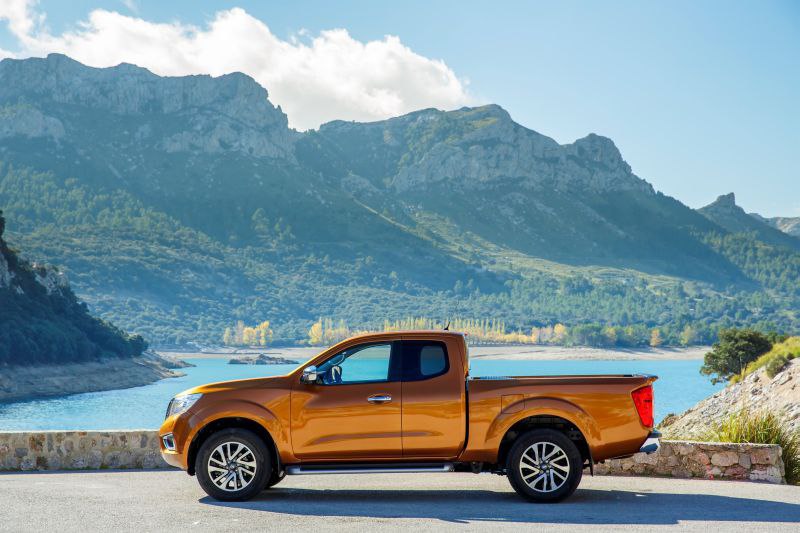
702	98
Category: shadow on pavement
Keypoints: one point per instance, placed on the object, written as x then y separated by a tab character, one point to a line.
584	507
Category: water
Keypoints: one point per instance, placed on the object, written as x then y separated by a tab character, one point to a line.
679	387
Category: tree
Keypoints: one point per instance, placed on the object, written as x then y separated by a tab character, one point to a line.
655	338
688	335
315	333
735	349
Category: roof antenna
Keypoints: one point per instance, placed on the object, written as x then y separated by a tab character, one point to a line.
447	327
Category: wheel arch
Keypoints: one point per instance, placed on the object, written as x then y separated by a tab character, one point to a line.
556	414
232	422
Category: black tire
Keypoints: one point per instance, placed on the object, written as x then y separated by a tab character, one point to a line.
566	463
258	455
276	477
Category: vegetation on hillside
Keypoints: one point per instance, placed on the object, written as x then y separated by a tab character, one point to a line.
733	352
774	360
42	322
150	273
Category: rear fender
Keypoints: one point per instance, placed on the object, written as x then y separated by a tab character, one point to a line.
544	406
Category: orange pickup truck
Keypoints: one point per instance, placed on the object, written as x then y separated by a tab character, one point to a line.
404	402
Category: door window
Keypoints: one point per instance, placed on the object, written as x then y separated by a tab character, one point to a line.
365	363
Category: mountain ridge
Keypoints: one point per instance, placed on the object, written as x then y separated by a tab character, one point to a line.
177	220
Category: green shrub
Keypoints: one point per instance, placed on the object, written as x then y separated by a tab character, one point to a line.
775	359
776	364
761	428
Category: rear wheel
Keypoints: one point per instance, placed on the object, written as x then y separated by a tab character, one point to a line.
233	464
544	466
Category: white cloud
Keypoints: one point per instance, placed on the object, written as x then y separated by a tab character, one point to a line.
313	78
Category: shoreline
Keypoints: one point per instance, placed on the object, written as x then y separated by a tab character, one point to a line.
523	352
22	383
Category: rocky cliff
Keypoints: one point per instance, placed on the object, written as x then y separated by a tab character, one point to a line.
756	392
724	212
174	114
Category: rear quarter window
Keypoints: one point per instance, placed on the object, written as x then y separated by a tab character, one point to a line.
424	360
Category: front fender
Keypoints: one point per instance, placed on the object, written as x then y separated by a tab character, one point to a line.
237	408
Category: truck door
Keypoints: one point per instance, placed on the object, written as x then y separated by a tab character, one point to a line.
353	411
434	400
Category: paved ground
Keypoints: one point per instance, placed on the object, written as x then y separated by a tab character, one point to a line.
158	500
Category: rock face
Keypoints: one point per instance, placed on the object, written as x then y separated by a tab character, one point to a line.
724	212
707	460
481	148
756	392
190	113
262	359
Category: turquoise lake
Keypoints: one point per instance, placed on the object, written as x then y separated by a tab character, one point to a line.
680	386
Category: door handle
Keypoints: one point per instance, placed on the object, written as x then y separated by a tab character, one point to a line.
379	398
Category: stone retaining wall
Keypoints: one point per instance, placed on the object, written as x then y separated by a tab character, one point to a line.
92	450
79	450
707	460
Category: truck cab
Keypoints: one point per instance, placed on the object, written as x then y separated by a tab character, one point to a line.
404	402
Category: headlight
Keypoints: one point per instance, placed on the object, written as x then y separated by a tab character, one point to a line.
181	403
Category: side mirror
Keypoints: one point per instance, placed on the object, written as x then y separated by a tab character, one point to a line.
309	375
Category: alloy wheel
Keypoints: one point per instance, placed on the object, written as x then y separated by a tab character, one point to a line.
544	466
232	466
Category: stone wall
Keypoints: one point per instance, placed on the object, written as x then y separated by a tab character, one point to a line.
707	460
91	450
70	450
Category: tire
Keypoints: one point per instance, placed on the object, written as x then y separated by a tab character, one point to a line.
541	481
276	477
228	472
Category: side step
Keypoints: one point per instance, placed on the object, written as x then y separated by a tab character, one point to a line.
368	468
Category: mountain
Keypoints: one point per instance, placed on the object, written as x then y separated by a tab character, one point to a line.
788	225
492	180
724	212
179	206
41	320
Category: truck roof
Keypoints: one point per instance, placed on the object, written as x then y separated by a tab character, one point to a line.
431	333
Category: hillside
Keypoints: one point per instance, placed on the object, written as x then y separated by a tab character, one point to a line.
725	213
41	320
755	393
788	225
179	206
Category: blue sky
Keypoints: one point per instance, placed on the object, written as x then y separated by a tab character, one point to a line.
702	98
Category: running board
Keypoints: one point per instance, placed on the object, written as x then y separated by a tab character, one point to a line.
374	468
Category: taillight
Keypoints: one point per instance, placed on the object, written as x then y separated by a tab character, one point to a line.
643	400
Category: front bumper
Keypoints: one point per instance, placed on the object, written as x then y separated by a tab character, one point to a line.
172	442
652	443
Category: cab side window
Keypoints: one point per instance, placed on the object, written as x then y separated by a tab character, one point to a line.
424	360
365	363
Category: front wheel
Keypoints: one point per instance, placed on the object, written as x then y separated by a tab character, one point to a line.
276	477
544	466
233	465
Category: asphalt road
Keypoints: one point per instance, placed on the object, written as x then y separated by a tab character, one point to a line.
171	500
